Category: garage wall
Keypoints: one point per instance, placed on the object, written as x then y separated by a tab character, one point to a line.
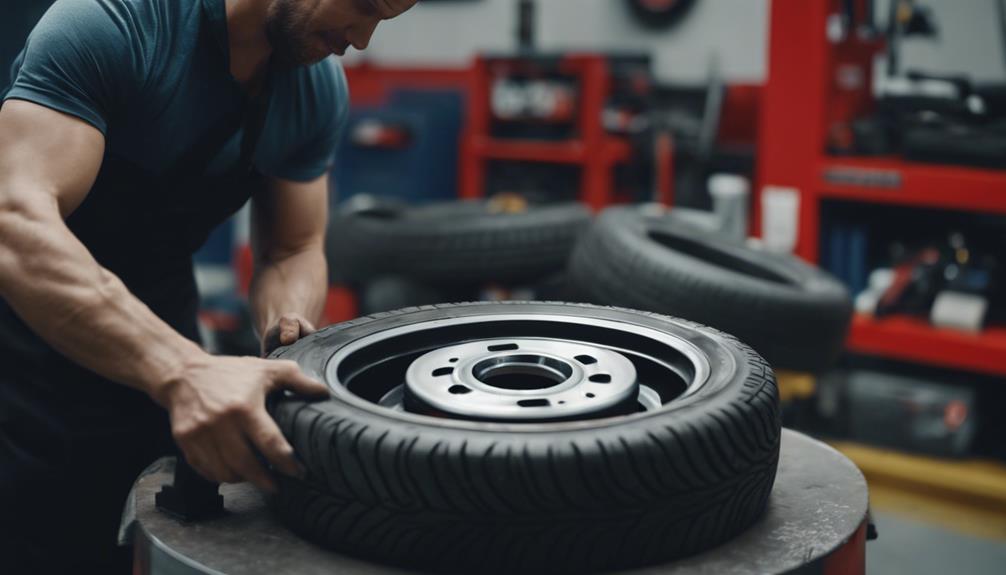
437	34
449	33
970	40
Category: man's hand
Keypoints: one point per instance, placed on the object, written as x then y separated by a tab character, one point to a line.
219	420
286	331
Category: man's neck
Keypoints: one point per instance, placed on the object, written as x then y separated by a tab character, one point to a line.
249	46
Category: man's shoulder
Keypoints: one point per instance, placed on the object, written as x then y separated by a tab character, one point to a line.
124	15
141	27
320	93
89	58
327	80
147	10
313	107
154	23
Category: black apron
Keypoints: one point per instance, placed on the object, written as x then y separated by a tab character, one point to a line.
71	442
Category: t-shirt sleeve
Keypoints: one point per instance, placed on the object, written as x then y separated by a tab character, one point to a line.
329	110
81	59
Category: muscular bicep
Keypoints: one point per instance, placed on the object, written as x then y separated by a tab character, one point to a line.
288	217
46	153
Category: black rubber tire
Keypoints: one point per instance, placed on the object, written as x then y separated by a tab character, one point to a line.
462	496
657	17
456	243
358	206
793	314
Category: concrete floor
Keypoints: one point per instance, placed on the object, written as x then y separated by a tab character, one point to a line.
911	546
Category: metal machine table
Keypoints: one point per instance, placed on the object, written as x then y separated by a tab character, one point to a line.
815	523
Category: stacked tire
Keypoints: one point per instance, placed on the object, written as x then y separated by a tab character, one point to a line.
401	255
792	313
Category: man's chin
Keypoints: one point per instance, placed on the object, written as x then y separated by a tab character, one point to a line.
318	56
310	55
285	59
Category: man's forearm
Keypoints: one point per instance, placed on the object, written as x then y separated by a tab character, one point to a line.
291	283
81	309
48	164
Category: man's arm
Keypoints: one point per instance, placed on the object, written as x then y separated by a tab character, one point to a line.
288	239
48	163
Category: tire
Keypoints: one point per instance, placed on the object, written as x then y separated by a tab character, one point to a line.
465	496
696	221
793	314
456	243
659	15
358	206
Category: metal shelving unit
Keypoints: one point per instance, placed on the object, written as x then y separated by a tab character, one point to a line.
815	83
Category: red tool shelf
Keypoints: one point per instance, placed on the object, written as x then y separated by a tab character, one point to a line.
564	152
594	150
915	340
815	86
895	181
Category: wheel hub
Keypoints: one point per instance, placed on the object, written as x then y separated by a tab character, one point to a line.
527	379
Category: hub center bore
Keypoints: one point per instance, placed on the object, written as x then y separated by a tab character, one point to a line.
521	372
522	380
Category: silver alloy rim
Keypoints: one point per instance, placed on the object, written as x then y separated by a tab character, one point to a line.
511	379
362	367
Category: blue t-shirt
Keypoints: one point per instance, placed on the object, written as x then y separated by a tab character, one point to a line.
141	72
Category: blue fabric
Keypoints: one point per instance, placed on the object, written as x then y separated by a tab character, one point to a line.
137	71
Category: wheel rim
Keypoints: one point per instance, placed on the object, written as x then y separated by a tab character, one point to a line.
521	380
503	360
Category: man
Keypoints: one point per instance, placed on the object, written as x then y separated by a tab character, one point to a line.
131	129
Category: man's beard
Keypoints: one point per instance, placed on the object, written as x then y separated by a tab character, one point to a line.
287	23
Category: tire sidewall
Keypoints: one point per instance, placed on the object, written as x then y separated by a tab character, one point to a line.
729	362
800	324
805	283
